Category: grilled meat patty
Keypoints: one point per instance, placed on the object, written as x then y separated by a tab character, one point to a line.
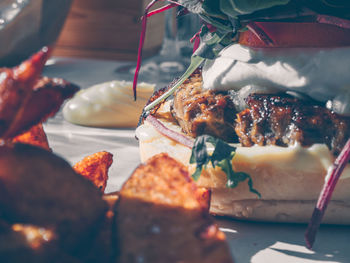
283	120
270	119
201	111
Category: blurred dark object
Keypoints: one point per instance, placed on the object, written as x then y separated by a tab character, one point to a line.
109	29
28	25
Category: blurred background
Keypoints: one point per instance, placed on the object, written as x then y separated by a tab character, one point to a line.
98	30
108	29
104	29
27	25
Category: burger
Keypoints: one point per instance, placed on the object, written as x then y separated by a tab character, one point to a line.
263	110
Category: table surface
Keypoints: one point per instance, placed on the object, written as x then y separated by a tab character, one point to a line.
249	241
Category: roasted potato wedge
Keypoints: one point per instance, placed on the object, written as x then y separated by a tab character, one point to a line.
161	217
26	99
34	136
40	188
30	244
95	168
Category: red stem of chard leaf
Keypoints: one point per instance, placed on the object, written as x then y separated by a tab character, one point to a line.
143	36
197	40
335	21
161	9
176	136
141	43
325	196
260	33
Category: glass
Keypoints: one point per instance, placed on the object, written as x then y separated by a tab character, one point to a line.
9	10
28	25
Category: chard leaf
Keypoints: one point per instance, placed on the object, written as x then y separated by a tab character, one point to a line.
233	8
210	43
213	8
194	6
222	157
219	13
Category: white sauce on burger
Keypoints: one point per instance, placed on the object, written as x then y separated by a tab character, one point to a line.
292	158
322	74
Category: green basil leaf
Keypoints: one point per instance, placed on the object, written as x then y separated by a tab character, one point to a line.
222	151
199	156
197	173
199	152
222	157
233	181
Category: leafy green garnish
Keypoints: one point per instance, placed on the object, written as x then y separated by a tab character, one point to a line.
214	12
196	61
207	49
220	13
222	157
233	8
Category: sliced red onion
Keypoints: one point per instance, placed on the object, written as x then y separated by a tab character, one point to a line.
176	136
326	194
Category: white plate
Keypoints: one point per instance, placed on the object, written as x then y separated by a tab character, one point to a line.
249	241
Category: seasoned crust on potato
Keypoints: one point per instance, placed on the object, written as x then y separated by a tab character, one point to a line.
164	181
26	98
162	216
34	136
95	168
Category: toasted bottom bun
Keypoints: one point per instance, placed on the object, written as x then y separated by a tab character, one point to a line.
289	179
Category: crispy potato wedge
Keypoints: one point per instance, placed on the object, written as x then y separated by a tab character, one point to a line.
95	168
43	102
34	244
35	136
25	100
15	87
164	181
40	188
103	249
162	217
30	244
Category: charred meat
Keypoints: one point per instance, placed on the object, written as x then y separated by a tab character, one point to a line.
201	111
269	119
283	120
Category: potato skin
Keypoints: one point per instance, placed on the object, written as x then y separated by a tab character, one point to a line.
40	188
